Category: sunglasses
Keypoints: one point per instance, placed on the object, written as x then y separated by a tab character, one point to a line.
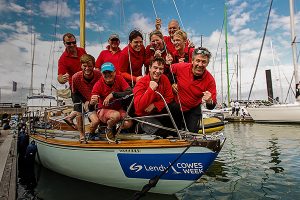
114	40
69	43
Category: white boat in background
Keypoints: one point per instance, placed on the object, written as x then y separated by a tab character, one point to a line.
282	112
276	113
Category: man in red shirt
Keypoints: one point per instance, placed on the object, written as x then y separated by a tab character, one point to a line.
107	93
83	83
194	85
68	65
173	26
146	99
112	53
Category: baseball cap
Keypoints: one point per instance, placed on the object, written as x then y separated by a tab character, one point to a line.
107	67
114	36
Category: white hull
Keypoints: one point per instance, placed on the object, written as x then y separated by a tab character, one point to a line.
127	167
276	113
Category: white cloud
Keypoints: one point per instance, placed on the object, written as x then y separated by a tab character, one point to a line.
49	8
141	22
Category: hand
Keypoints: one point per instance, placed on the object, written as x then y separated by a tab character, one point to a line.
65	77
150	108
153	85
86	106
106	100
157	23
138	78
207	97
191	44
181	60
157	53
94	99
169	59
175	88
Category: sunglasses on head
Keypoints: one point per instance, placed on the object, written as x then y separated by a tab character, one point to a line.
202	51
69	43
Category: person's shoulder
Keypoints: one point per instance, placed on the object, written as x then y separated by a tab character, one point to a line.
97	72
81	50
77	75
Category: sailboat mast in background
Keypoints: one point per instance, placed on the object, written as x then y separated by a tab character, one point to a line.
82	23
294	48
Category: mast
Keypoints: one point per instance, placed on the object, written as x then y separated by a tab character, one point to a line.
294	49
226	43
222	100
32	64
82	23
237	77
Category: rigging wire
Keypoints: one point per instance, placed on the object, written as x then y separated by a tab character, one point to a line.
154	9
261	47
214	60
178	14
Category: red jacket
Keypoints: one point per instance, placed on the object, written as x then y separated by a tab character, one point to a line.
69	64
144	95
190	90
170	45
103	90
137	60
150	55
188	53
107	56
82	86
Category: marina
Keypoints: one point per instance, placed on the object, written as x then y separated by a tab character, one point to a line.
258	161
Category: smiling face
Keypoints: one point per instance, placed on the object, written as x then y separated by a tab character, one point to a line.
114	43
137	43
70	43
156	70
109	77
88	69
200	63
173	27
156	42
179	43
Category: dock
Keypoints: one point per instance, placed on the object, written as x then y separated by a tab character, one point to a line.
8	165
238	118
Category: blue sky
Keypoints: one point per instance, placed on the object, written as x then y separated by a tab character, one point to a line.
49	20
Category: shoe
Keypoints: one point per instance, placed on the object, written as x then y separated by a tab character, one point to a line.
70	123
109	135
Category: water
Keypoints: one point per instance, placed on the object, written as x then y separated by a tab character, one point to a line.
258	161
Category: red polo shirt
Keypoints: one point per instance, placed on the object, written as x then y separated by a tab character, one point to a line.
144	95
70	64
108	56
82	86
190	90
137	59
103	90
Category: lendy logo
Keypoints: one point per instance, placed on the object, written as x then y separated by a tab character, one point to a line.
135	167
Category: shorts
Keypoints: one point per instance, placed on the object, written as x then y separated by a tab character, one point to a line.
104	114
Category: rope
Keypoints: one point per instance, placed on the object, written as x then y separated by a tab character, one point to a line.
153	181
130	66
154	9
178	14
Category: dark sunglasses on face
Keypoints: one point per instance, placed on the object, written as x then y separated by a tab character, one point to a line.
114	40
69	43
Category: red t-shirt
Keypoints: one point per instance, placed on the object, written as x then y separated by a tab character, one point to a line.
144	95
70	64
190	90
137	59
81	85
103	90
108	56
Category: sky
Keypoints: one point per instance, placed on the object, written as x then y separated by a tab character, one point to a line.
23	20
